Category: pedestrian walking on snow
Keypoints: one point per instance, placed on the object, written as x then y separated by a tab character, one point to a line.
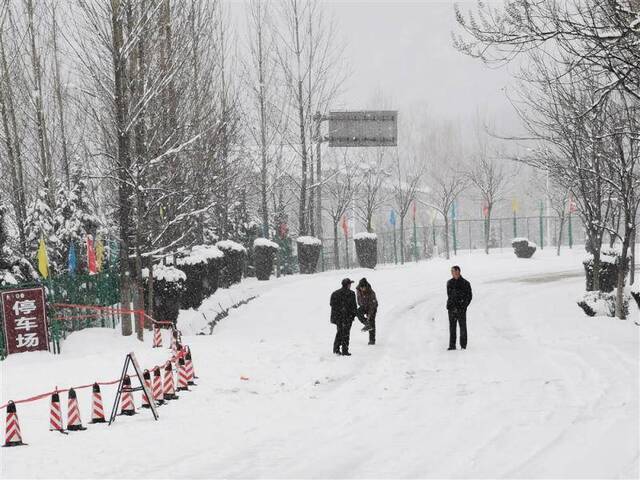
343	311
367	308
458	299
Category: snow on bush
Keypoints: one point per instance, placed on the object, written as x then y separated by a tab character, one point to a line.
601	304
306	240
200	254
523	248
200	321
365	235
265	242
308	253
166	273
609	265
230	245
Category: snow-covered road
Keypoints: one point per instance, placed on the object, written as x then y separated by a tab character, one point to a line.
541	391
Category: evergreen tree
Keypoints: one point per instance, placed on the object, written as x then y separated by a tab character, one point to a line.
40	224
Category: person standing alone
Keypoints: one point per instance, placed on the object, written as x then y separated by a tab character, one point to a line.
458	299
343	311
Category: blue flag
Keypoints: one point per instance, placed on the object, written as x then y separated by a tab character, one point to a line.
73	259
392	217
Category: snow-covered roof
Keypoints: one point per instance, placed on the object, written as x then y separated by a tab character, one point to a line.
230	245
265	242
307	240
365	235
166	273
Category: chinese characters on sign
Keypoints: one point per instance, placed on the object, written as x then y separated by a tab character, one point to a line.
25	320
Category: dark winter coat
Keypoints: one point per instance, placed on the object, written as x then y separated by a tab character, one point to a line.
343	305
367	300
458	294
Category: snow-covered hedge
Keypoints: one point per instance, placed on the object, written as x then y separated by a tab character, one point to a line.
523	248
201	265
308	253
365	235
264	253
213	256
232	264
168	287
366	249
609	264
601	304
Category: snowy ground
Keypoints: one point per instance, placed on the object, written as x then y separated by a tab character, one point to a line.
541	391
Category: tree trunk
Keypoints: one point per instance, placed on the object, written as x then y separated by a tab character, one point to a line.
13	140
446	235
632	263
620	313
123	158
336	252
58	92
263	131
560	231
402	239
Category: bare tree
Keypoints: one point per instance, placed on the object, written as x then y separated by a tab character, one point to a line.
373	194
407	183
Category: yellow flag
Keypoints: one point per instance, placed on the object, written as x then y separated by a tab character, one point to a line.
43	260
514	205
99	255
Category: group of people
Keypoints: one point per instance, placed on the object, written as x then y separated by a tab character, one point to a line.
363	304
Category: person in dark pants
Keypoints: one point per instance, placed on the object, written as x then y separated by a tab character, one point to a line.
458	299
367	308
343	311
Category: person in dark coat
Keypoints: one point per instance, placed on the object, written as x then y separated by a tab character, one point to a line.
458	299
343	311
367	308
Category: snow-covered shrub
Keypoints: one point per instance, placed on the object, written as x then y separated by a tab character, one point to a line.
601	304
213	257
523	248
609	264
232	263
308	253
264	251
168	287
195	269
366	249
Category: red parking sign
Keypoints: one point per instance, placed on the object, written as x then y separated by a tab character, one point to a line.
25	320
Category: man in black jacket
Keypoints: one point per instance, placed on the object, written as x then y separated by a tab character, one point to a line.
458	299
343	311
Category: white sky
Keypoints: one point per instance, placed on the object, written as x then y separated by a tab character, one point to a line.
404	49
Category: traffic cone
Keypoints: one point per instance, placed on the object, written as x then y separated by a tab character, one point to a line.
157	337
146	402
189	366
13	437
128	408
55	414
97	412
194	376
169	392
158	395
183	379
174	339
73	414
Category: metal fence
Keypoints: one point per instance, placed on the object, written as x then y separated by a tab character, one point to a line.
464	234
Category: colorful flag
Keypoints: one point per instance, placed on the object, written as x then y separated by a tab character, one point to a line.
413	209
485	210
514	205
345	227
91	256
73	259
392	217
573	207
99	255
43	259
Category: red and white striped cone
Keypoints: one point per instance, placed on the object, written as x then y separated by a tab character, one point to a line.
74	422
190	362
158	394
55	414
12	437
174	340
189	367
97	411
157	337
183	379
146	402
128	408
169	392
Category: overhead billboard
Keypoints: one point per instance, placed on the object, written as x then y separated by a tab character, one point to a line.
367	128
